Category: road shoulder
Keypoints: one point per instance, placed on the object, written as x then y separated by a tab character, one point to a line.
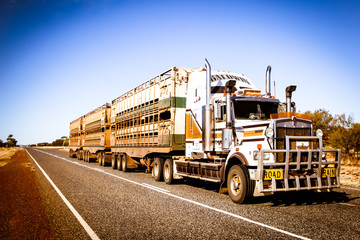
22	212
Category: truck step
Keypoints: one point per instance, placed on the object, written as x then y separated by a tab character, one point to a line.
204	171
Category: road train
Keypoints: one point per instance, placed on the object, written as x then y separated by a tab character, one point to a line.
210	125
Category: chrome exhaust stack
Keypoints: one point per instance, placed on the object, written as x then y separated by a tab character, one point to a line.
228	131
208	145
289	91
268	82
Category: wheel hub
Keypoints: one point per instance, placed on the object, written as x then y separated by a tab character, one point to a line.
156	170
236	185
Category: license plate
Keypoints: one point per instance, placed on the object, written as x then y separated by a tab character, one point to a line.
328	171
302	144
277	173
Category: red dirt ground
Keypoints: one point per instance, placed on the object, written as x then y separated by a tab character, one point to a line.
22	213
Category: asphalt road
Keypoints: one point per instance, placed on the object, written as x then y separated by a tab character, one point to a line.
117	205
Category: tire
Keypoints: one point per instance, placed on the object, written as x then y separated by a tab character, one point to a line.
85	156
119	163
158	169
103	163
238	184
89	159
168	171
124	162
113	161
99	159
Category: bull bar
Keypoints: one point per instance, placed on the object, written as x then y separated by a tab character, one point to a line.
317	164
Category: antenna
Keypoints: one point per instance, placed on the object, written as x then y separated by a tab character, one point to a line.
274	90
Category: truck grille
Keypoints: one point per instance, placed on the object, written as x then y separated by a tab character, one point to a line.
281	132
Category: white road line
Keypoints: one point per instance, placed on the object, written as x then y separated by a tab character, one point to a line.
100	170
86	226
349	204
197	203
157	188
355	189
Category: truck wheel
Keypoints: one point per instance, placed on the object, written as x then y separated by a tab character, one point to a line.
103	163
89	159
158	169
85	156
99	159
119	164
237	184
124	163
113	161
168	171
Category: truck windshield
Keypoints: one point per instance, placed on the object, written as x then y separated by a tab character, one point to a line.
254	109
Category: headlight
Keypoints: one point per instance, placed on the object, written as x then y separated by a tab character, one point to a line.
319	133
269	132
257	155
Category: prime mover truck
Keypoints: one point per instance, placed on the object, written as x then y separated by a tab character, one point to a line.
213	126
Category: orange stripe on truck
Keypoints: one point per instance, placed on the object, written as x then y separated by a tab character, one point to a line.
289	115
253	133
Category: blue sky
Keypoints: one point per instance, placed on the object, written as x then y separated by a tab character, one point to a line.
61	60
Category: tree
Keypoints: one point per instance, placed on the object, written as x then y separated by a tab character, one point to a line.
323	120
43	144
345	135
63	141
355	138
341	138
11	141
343	121
340	131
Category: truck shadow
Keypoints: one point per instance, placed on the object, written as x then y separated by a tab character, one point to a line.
276	200
282	199
307	198
210	186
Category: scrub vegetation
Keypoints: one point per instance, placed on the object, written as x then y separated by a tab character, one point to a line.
7	153
340	131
